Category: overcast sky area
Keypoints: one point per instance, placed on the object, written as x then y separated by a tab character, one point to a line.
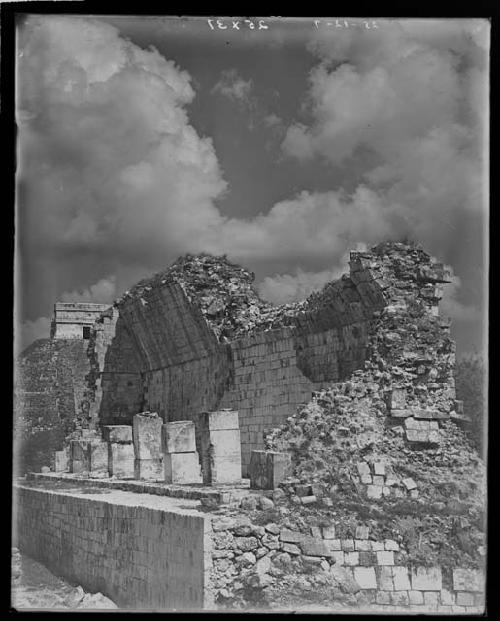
141	139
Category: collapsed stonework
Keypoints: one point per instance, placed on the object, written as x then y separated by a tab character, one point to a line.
341	409
197	337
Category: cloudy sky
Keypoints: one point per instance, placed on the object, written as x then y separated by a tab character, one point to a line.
141	139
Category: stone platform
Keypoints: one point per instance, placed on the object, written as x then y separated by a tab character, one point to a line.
221	494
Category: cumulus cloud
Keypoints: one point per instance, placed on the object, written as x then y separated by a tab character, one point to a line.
451	305
110	163
285	288
103	291
415	99
233	86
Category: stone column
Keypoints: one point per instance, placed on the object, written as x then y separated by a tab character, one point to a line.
146	432
219	444
120	450
180	458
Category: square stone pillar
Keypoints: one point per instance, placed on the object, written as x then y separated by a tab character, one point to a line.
60	460
180	458
79	459
97	456
268	469
219	444
146	432
120	451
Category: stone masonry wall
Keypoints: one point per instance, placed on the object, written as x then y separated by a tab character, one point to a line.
277	370
257	564
138	556
264	373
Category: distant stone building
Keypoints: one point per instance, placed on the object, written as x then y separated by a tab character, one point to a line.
74	319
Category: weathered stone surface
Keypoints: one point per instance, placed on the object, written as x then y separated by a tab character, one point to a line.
79	456
117	433
222	419
291	536
121	460
148	469
178	437
328	532
182	468
385	558
400	578
426	579
147	436
98	456
314	547
468	580
60	461
268	469
365	577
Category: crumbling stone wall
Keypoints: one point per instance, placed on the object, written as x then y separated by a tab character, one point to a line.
199	338
48	394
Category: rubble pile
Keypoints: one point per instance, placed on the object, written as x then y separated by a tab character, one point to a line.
389	436
224	292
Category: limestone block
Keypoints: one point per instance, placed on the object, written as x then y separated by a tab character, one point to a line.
60	461
222	419
401	578
465	599
468	580
98	456
397	399
291	536
182	468
401	413
426	579
147	437
225	468
385	558
121	460
314	547
365	577
148	469
79	461
268	469
117	433
178	437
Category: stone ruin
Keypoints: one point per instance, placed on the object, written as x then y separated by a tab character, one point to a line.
339	401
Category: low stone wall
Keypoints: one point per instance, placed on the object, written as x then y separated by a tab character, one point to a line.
361	571
139	556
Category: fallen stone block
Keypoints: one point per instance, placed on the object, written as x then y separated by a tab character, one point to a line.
147	436
178	437
148	469
397	399
268	469
121	460
117	433
182	468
